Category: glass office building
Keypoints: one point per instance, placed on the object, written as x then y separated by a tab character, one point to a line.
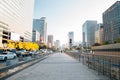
40	25
89	33
111	23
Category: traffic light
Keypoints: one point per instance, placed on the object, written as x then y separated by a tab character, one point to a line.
70	40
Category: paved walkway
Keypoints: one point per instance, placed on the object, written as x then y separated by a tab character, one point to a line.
57	67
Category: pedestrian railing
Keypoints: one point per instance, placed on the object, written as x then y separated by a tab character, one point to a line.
108	65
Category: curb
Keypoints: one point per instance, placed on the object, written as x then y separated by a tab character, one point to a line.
27	63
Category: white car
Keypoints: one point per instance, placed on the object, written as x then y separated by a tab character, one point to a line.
7	55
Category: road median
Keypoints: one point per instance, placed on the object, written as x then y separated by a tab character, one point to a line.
13	69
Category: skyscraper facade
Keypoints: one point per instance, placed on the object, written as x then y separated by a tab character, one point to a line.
89	33
36	36
99	33
111	23
40	25
16	16
50	41
70	39
57	44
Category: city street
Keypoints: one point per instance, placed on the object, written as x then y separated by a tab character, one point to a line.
59	40
58	66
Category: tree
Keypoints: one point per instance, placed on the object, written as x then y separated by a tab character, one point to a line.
30	46
106	42
19	45
42	46
118	40
22	45
97	44
10	44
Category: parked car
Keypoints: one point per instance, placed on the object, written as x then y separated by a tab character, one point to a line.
16	52
39	52
33	53
24	53
44	51
7	55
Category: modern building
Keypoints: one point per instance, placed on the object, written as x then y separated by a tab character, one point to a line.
99	34
57	44
76	43
70	39
89	33
36	36
41	26
111	23
16	16
50	41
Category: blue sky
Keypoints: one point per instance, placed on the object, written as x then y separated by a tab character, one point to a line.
63	16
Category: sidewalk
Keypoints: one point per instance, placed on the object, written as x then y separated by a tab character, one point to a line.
57	67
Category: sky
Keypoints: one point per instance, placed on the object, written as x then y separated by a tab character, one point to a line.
63	16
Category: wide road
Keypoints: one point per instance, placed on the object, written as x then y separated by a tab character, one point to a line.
58	66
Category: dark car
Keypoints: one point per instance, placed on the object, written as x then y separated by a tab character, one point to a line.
16	52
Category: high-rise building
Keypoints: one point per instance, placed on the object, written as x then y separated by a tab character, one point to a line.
111	23
36	36
50	41
41	26
57	44
16	17
99	34
89	33
70	39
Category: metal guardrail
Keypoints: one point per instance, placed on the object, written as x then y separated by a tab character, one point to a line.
104	64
